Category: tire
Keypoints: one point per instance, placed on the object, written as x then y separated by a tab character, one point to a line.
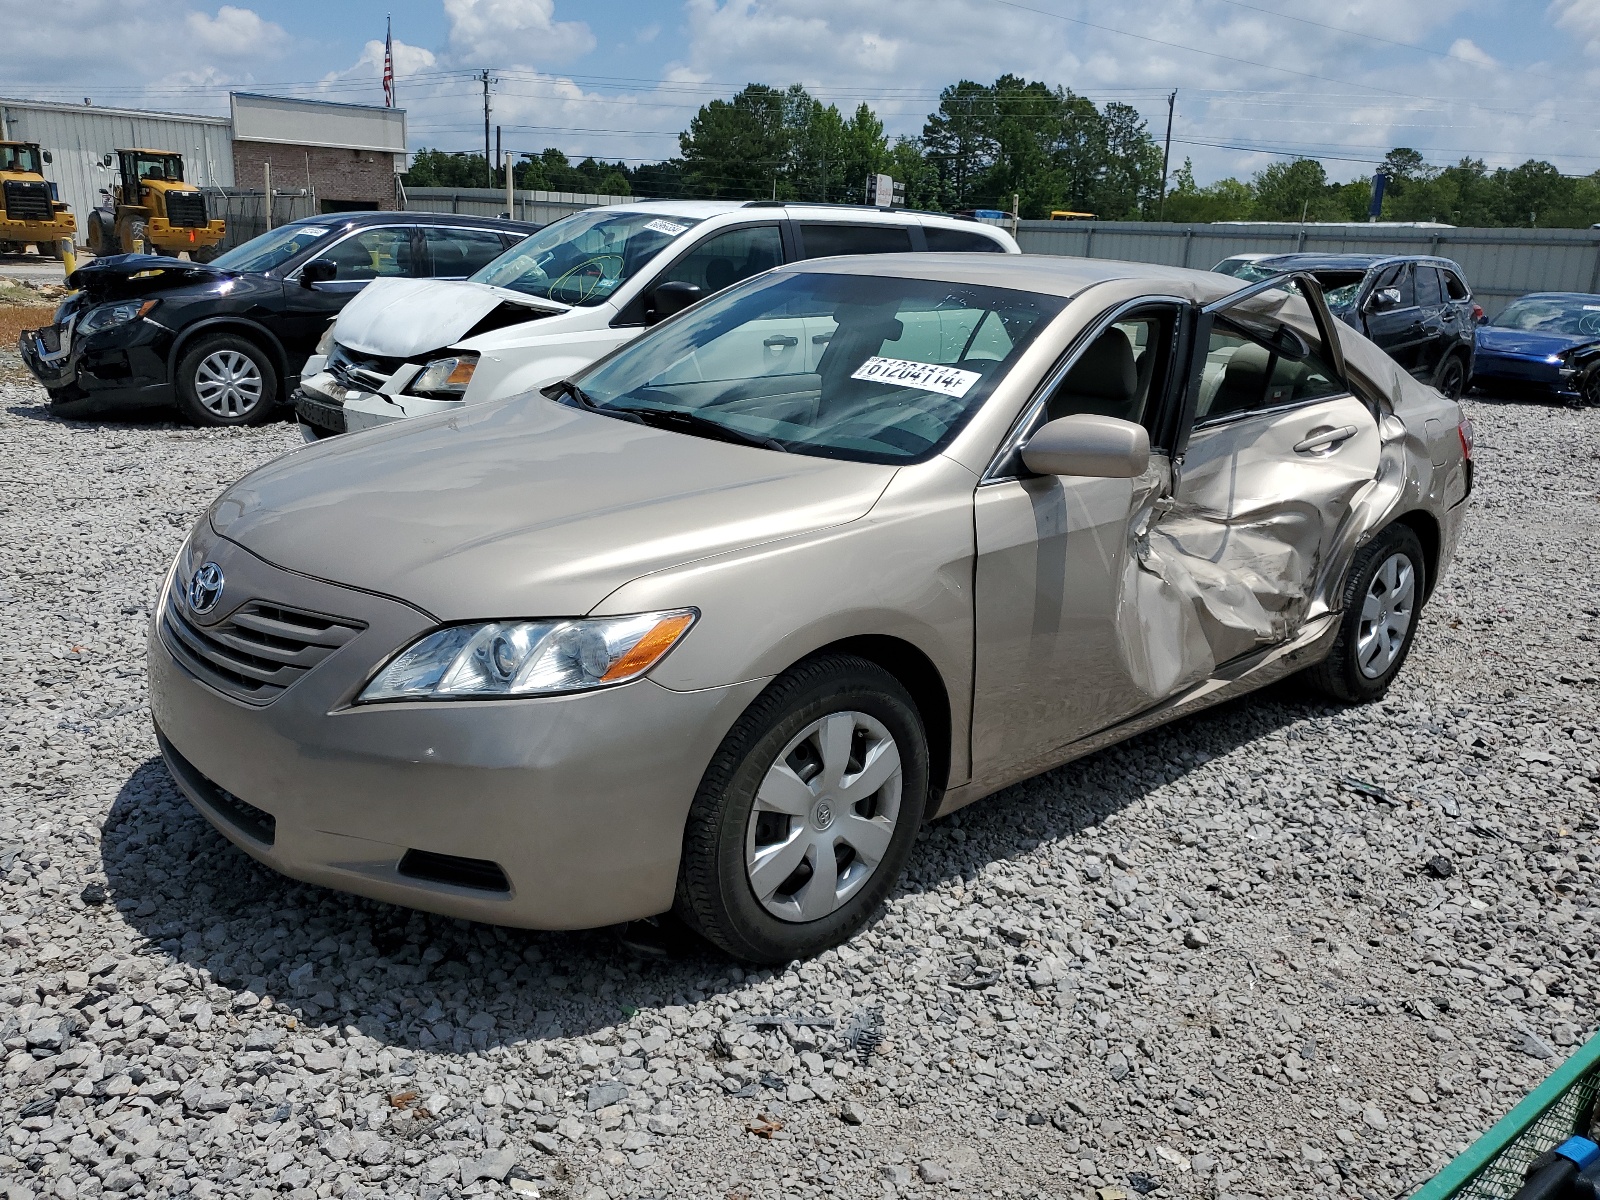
103	235
1360	669
225	379
1451	377
1589	388
777	749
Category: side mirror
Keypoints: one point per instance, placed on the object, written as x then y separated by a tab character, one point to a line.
106	160
1089	445
672	297
318	270
48	157
1384	299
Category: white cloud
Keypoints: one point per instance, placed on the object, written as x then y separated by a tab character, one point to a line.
1581	17
1468	51
492	33
234	32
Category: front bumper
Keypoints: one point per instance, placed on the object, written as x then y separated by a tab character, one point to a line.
121	367
334	407
579	801
37	231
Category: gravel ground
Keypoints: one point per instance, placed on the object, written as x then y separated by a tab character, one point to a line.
1198	964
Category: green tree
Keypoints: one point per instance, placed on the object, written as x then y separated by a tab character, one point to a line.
1294	191
1225	200
737	149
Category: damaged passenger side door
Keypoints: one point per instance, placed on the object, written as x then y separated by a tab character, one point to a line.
1273	450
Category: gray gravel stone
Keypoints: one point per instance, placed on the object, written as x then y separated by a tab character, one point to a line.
1205	919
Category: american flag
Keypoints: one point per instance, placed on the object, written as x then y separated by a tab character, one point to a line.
388	65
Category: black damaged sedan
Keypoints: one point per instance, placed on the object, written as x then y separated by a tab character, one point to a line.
225	340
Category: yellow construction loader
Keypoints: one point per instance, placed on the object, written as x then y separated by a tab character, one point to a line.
28	213
152	210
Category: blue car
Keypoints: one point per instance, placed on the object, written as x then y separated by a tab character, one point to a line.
1543	344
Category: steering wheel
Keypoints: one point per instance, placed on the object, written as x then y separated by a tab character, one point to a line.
586	277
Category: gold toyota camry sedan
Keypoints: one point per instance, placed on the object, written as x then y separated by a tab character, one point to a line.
715	625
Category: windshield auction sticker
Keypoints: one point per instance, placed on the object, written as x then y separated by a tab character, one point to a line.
927	377
661	225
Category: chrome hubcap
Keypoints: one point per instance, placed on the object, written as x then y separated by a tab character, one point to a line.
228	383
1386	615
824	816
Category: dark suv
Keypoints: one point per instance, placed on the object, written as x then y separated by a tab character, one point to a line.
222	338
1418	308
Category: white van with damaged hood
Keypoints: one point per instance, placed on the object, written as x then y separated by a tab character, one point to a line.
577	290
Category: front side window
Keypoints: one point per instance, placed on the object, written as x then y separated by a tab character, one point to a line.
271	249
825	241
457	253
959	241
159	167
723	259
373	254
1249	370
584	258
1398	277
21	158
870	369
1120	372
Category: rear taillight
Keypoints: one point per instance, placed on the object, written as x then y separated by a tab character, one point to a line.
1464	432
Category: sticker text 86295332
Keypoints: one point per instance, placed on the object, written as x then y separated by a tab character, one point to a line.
927	377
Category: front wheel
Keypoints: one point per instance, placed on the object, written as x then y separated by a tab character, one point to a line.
225	379
807	813
1382	601
1451	379
1589	388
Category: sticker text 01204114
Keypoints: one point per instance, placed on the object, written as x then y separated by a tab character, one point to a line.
927	377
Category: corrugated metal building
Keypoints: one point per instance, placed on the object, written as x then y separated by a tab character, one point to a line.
79	136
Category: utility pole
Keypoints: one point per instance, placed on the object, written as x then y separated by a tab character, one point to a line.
483	78
1166	154
499	157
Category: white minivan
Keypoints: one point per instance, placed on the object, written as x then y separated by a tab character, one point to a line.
581	287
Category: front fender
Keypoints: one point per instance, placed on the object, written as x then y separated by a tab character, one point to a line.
223	324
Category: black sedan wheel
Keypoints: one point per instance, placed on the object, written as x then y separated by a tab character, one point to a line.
1589	387
225	379
1451	378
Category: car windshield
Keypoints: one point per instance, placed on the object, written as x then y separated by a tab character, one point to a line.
1578	316
1248	269
271	249
584	258
1339	288
859	367
21	158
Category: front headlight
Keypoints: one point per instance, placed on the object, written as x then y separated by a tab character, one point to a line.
325	342
529	658
107	316
445	376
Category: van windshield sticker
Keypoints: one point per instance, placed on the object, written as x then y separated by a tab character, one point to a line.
1591	308
662	225
927	377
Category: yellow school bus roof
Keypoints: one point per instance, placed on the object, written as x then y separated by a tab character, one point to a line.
1062	214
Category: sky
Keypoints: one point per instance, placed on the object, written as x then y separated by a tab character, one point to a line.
1257	80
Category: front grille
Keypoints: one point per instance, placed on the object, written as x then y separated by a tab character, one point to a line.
363	372
28	200
187	209
477	873
258	651
246	818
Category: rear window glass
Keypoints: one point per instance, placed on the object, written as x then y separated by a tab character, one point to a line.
959	241
824	241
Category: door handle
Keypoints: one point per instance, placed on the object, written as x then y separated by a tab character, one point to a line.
781	340
1325	438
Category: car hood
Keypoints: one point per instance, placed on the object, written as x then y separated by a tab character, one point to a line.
121	276
403	318
525	507
1524	343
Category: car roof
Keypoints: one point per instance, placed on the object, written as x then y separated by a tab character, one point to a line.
1579	296
703	210
392	216
1050	274
1365	262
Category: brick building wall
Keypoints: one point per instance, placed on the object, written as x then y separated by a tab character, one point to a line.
360	176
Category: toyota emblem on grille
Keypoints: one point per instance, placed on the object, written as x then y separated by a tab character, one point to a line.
205	589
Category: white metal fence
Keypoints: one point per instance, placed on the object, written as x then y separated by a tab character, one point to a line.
1500	264
541	207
